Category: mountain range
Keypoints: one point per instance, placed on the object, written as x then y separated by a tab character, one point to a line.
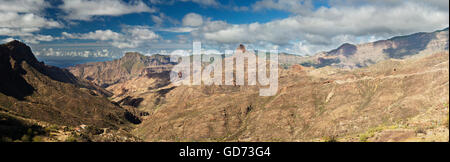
349	56
388	90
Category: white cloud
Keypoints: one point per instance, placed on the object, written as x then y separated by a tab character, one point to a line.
32	39
23	17
437	4
36	39
6	40
157	19
130	37
142	33
329	27
17	31
23	5
86	9
28	20
213	3
167	2
96	35
162	18
192	19
178	29
46	38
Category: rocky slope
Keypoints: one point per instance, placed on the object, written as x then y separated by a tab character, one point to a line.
130	66
394	100
357	56
389	90
401	96
42	95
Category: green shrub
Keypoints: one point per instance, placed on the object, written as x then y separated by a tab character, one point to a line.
330	139
26	138
363	137
38	139
71	139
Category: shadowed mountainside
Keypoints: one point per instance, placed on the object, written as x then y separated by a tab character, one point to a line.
33	91
116	71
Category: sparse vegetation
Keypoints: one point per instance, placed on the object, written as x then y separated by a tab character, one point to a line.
330	139
71	139
5	139
420	130
446	123
370	133
26	138
37	139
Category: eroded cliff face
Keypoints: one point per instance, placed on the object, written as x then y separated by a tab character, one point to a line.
393	100
130	66
390	90
392	97
356	56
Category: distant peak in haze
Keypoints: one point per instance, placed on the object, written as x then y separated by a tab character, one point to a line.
241	48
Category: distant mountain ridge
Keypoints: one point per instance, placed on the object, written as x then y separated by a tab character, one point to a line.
362	55
132	64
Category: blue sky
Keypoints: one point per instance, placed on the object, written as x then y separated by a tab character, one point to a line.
108	28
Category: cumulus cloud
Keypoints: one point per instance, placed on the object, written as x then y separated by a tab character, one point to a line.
95	35
327	27
192	19
141	33
23	17
157	19
129	37
32	39
86	9
23	5
204	3
162	18
36	39
178	29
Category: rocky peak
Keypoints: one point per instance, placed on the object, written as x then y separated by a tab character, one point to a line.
241	48
345	49
19	52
